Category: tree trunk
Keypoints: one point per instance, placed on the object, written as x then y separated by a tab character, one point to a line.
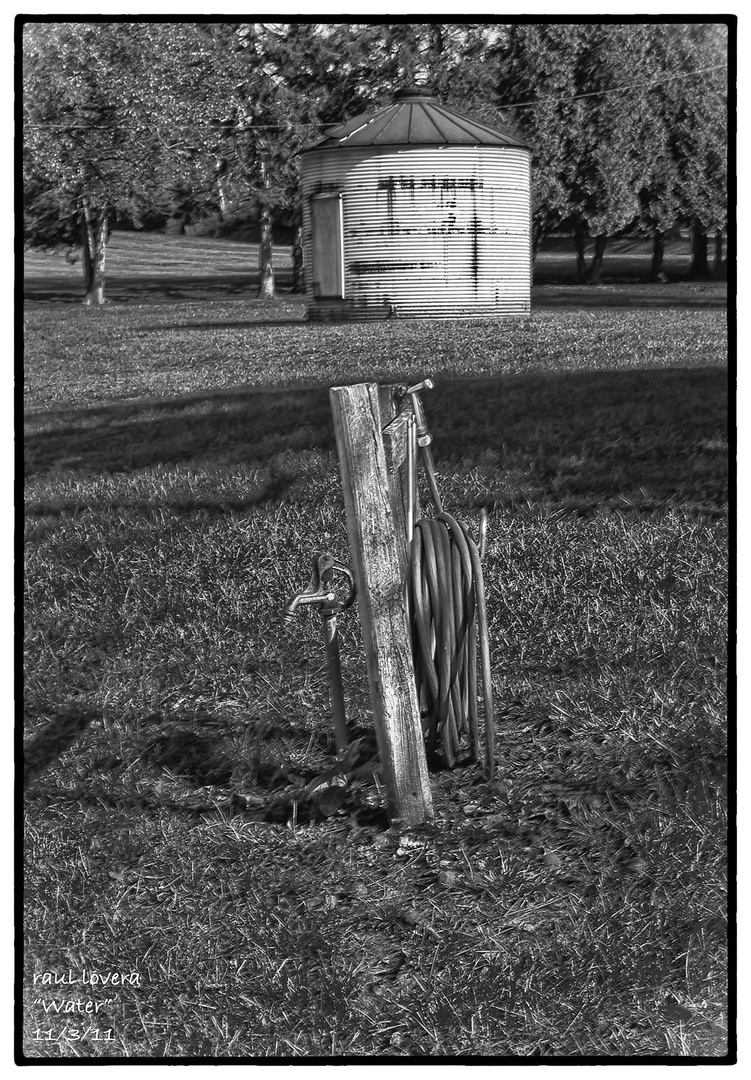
719	265
699	252
220	170
658	255
267	284
94	245
538	235
595	267
581	262
298	272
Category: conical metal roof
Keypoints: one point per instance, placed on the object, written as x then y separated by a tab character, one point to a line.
417	118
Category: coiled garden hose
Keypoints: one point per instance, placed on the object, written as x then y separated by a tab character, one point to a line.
446	597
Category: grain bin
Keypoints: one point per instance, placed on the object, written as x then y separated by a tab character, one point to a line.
416	211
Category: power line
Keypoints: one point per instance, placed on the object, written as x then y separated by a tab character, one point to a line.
615	89
282	127
158	127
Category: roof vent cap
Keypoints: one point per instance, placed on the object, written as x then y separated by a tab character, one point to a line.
420	92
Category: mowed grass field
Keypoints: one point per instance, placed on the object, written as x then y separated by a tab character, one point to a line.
150	268
180	471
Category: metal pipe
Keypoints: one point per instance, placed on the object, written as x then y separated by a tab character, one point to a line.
427	460
411	477
483	532
424	438
320	594
290	608
422	425
333	660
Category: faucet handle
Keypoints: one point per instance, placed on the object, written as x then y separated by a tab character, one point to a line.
319	589
327	566
426	384
424	438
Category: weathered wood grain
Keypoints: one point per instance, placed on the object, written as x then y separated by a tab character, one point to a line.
377	562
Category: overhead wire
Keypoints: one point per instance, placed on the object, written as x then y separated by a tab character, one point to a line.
614	89
283	127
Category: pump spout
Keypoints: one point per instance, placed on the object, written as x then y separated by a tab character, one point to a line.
288	613
324	598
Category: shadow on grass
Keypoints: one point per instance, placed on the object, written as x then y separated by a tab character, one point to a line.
540	436
53	739
555	294
251	425
273	762
272	491
224	324
150	289
635	296
551	290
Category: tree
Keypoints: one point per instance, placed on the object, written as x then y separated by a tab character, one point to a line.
701	141
256	123
307	76
124	120
92	153
603	172
568	81
683	136
207	118
536	74
331	69
624	134
659	166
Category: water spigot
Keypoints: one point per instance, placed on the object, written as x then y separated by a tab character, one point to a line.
424	438
316	597
318	591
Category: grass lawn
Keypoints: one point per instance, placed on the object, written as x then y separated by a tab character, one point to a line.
180	470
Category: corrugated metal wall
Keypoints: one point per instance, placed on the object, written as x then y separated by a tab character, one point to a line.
430	231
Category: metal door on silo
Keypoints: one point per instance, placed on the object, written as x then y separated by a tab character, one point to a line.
328	246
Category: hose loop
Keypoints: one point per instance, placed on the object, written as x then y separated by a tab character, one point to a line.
446	603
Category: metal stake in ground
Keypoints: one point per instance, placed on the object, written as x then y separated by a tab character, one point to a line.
320	593
424	438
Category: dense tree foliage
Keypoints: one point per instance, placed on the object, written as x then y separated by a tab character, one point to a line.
627	122
683	135
92	152
258	128
628	125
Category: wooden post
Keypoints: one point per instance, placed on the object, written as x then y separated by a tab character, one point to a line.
377	563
